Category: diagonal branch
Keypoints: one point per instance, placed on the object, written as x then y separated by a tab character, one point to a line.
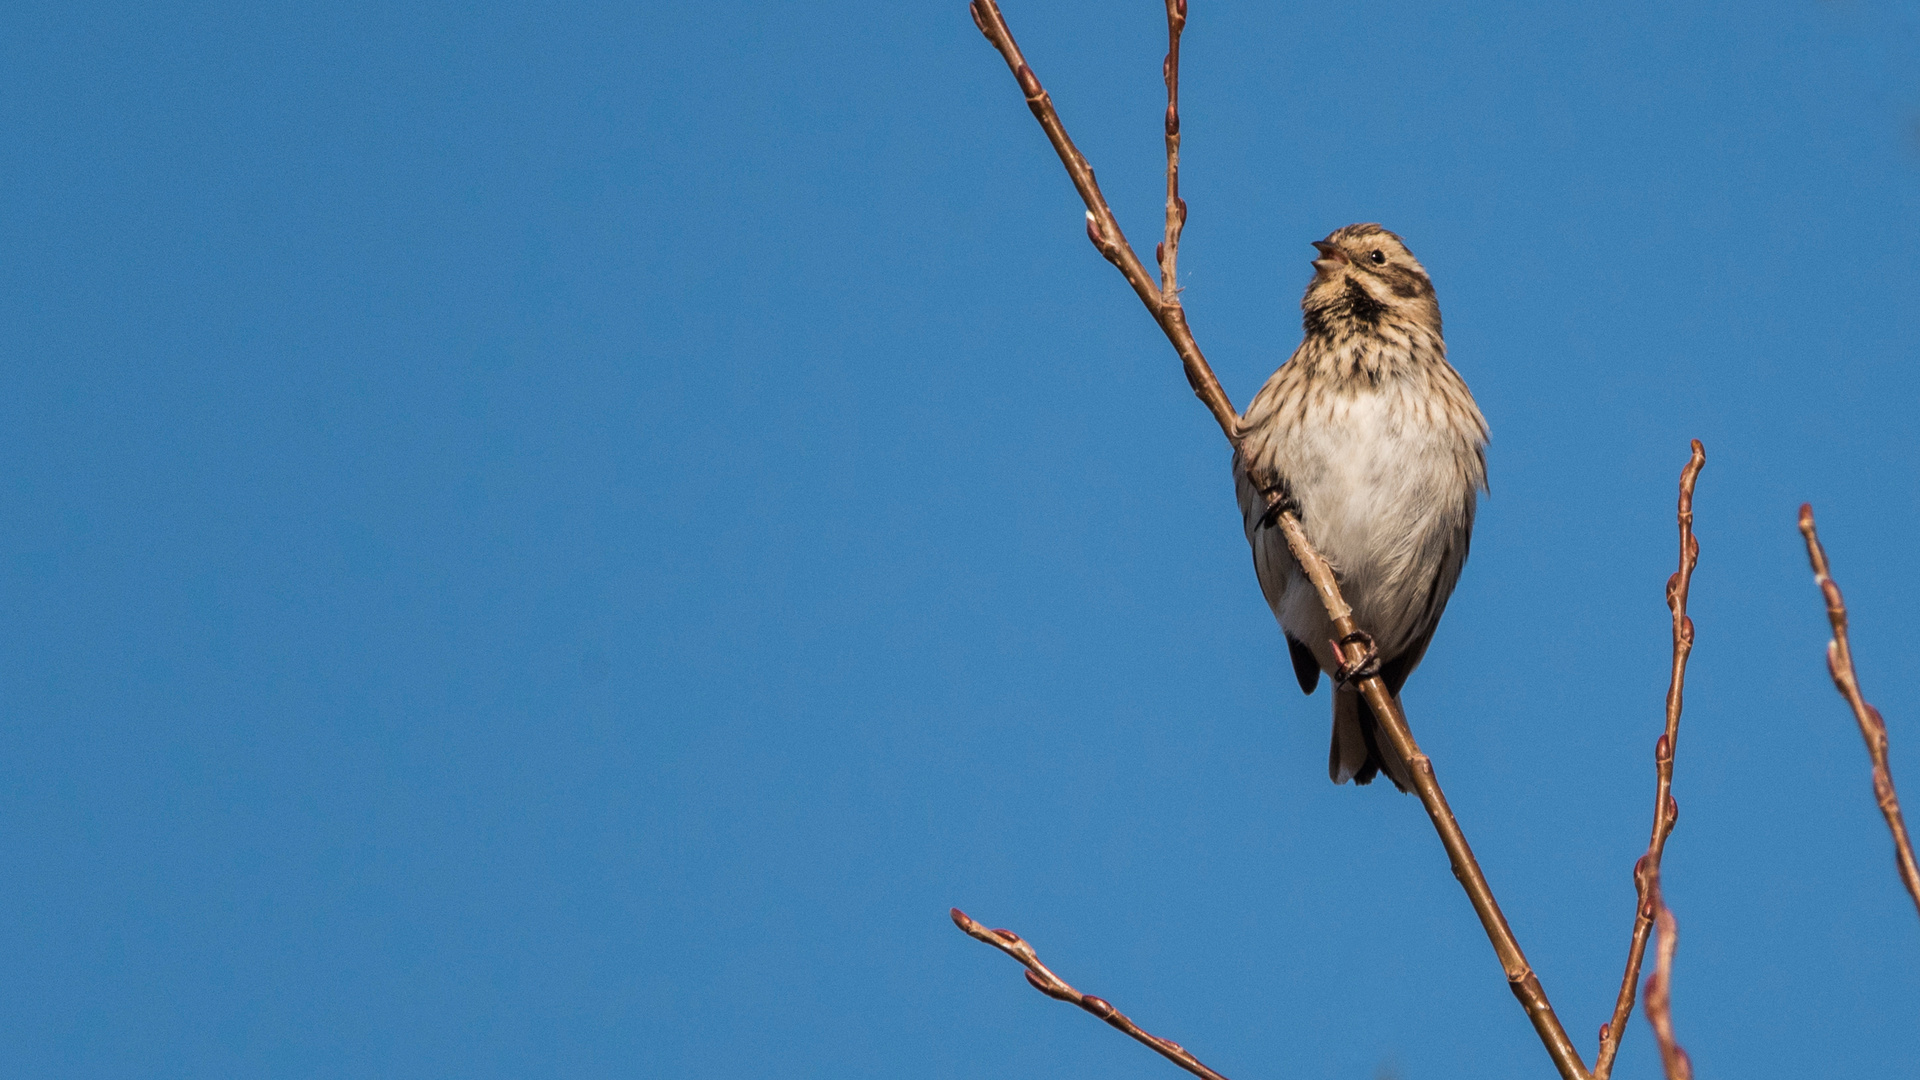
1045	981
1673	1060
1872	727
1646	871
1520	975
1164	305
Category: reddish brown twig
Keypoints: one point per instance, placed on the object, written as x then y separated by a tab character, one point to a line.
1165	307
1646	871
1872	727
1045	981
1169	250
1659	1003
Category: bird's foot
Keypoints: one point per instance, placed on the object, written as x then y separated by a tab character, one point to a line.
1279	501
1366	663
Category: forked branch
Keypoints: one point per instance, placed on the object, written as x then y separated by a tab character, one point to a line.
1102	228
1872	727
1163	303
1045	981
1646	871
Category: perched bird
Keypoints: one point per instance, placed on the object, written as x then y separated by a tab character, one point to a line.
1373	441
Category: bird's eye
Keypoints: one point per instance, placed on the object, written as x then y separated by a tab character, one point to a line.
1379	257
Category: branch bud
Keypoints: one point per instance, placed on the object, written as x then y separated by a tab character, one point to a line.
1029	83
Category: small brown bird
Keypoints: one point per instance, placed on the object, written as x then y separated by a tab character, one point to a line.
1374	442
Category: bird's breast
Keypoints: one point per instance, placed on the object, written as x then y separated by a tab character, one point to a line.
1384	484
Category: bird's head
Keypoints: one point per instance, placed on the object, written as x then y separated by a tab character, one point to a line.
1366	275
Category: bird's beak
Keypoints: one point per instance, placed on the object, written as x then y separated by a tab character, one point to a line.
1331	257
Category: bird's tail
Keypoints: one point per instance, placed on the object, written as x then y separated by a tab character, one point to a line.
1361	750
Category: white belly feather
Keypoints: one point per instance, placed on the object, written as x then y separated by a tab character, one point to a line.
1382	494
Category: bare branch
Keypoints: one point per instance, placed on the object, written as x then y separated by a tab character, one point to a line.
1045	981
1872	727
1168	252
1646	871
1164	305
1659	1006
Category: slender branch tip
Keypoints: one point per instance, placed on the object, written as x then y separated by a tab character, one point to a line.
1873	727
1666	809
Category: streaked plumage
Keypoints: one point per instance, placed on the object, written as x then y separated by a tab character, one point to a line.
1380	450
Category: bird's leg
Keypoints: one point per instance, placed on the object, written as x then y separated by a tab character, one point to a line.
1365	664
1279	501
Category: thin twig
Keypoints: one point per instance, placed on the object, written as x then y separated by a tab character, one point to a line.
1872	727
1659	1004
1105	233
1168	252
1646	871
1045	981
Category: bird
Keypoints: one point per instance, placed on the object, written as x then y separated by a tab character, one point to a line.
1372	439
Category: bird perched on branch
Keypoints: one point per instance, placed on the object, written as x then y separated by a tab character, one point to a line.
1371	438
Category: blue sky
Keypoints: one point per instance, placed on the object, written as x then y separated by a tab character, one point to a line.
559	543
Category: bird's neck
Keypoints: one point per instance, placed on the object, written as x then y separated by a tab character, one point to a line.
1389	349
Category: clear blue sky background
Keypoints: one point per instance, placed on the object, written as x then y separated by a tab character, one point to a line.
559	543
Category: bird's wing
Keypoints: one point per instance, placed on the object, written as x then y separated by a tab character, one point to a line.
1253	505
1446	575
1305	668
1272	564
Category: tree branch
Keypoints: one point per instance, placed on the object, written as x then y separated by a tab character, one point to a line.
1872	727
1164	305
1673	1060
1045	981
1520	975
1646	871
1102	228
1169	250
